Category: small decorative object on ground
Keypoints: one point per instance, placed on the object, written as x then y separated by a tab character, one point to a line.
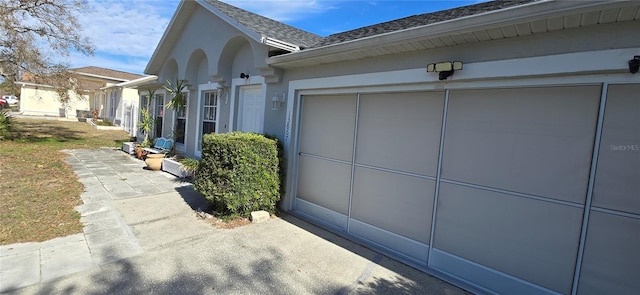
154	161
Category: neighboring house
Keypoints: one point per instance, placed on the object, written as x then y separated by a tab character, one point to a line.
100	91
516	174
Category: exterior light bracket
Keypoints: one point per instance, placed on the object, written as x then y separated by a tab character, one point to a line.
444	69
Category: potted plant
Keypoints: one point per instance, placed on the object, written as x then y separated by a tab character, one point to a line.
179	99
146	122
94	114
154	161
140	152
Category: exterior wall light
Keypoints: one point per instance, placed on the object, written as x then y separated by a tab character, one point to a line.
221	92
634	64
278	100
244	76
445	69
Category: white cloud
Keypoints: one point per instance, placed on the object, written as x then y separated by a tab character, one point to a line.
126	32
130	28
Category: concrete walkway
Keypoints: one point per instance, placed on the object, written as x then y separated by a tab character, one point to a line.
107	175
142	236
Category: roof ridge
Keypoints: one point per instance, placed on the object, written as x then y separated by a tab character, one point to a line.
106	72
265	26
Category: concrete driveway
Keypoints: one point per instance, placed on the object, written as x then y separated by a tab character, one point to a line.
142	242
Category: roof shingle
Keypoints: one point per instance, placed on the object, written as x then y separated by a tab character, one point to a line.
418	20
266	26
124	76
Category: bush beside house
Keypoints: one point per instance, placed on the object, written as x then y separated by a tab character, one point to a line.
239	173
5	124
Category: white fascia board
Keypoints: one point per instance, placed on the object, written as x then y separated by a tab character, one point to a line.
22	84
279	44
234	23
526	12
138	82
99	76
157	53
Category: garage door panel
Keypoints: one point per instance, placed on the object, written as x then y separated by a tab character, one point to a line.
324	183
328	126
536	141
611	263
617	184
400	131
398	203
506	232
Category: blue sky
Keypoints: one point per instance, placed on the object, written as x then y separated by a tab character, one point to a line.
125	32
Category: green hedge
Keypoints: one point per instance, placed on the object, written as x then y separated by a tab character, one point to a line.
5	124
238	173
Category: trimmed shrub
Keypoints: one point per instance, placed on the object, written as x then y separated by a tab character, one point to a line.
282	164
238	173
5	124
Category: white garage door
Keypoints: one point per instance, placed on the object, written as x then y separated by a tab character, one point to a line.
612	250
514	178
515	172
368	165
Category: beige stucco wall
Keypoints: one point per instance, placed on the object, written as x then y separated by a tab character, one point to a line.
44	101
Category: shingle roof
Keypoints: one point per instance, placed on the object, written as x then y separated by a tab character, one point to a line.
124	76
418	20
266	26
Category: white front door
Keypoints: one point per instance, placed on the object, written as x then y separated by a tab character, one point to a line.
251	117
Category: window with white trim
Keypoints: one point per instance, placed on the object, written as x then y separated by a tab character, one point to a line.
181	120
159	113
144	105
209	114
113	105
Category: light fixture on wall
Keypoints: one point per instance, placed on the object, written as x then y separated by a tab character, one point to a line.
444	69
244	76
278	100
634	64
222	93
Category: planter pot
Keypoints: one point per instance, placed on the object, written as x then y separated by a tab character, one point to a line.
174	167
140	153
129	147
154	161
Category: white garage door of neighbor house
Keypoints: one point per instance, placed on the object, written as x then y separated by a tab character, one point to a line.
515	169
252	106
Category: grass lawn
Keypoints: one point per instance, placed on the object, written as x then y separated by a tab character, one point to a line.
38	190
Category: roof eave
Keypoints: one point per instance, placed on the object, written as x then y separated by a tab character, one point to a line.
279	44
255	36
232	22
508	15
137	82
99	76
